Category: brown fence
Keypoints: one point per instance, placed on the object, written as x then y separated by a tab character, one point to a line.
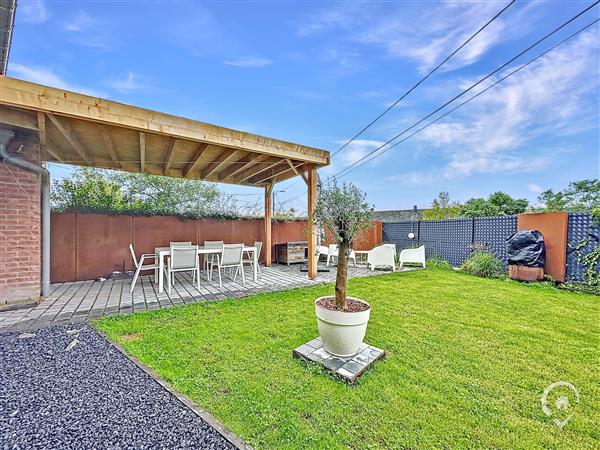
88	246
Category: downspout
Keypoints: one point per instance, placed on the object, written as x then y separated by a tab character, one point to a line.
5	137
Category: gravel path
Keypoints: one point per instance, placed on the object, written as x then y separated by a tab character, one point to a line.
90	396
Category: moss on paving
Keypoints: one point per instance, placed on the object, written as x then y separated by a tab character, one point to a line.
468	361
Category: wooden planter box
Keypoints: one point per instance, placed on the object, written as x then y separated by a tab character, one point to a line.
292	252
524	273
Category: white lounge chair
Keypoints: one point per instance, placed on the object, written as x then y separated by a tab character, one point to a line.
323	251
382	256
413	255
332	252
140	266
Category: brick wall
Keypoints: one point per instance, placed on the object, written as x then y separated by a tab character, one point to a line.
20	235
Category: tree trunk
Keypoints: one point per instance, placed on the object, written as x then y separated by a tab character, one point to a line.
341	280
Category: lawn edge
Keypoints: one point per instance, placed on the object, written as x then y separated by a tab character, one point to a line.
229	435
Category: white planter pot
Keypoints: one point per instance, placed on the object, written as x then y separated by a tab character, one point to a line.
342	332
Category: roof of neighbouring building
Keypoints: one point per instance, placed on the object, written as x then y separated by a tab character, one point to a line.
398	215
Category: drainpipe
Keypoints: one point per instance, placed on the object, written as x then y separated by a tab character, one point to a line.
5	137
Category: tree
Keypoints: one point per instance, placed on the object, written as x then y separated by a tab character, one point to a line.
442	208
497	204
132	193
344	212
579	196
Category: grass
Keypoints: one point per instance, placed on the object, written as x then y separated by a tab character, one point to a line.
468	360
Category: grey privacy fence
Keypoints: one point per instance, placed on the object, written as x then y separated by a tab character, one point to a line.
454	239
581	228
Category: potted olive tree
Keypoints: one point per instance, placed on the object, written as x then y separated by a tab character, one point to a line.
343	213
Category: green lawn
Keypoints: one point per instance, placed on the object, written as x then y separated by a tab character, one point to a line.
468	360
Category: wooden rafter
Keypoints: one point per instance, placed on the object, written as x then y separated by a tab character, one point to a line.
41	125
201	149
219	161
169	155
251	172
110	146
142	151
297	172
240	165
51	149
272	174
68	134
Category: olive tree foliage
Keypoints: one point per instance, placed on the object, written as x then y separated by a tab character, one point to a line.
97	190
343	212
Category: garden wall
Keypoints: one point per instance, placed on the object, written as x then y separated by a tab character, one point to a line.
87	246
453	239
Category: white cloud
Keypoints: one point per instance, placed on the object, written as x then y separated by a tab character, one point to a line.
500	131
424	34
44	75
81	22
536	188
249	62
33	11
413	179
357	149
131	83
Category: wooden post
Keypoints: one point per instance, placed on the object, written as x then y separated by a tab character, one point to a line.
312	232
267	223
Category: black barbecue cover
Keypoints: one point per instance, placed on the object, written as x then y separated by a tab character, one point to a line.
526	248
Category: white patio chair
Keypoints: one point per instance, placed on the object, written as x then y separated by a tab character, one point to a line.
248	256
322	251
208	259
183	259
140	266
230	258
413	255
180	244
382	256
332	252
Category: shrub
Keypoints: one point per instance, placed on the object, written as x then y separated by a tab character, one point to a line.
438	263
484	264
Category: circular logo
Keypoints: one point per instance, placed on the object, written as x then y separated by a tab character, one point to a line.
558	401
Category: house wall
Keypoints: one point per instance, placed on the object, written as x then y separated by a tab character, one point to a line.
20	262
88	246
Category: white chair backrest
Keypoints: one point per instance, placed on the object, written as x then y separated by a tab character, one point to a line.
184	257
213	244
258	246
332	250
323	250
232	254
135	261
180	244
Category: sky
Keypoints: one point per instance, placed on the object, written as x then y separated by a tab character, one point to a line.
315	73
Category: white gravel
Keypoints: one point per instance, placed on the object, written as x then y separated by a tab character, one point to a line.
89	397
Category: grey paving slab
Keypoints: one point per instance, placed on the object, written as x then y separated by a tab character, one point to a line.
88	300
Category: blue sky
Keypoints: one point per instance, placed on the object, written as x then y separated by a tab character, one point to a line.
315	73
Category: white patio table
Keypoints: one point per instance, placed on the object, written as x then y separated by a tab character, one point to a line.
162	252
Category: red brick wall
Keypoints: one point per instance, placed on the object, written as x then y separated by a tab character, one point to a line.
20	232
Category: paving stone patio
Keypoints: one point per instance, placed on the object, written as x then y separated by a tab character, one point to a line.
348	369
87	300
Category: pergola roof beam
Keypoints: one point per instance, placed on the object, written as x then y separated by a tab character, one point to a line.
199	152
68	134
223	158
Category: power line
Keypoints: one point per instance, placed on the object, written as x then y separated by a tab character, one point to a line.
416	85
475	96
347	169
424	78
481	80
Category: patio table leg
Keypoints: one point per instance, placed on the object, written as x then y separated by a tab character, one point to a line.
255	265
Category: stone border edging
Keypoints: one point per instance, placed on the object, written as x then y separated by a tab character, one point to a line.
229	435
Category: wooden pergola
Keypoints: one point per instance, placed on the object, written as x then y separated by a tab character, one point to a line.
82	130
